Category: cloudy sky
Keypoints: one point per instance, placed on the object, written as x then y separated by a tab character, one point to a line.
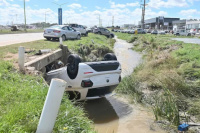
86	12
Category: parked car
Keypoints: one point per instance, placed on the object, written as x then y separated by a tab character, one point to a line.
14	28
149	31
154	32
89	30
162	32
182	33
64	31
89	80
131	32
103	31
140	31
79	28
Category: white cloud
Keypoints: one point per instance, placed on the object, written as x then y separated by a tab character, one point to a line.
192	1
4	3
113	5
189	12
97	7
75	5
167	4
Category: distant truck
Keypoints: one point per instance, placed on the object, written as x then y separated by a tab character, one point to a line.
182	33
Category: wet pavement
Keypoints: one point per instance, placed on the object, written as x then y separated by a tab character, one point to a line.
114	114
188	40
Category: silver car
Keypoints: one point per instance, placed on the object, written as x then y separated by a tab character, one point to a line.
64	31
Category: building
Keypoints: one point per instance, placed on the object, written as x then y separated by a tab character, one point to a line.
193	26
129	26
159	23
179	25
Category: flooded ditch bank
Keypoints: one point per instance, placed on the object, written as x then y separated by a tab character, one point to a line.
114	114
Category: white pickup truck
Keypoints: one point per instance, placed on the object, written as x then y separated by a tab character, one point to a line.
182	33
89	80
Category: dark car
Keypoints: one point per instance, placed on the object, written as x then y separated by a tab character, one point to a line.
103	31
154	32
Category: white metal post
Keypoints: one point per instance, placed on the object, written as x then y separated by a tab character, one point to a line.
61	41
21	58
51	106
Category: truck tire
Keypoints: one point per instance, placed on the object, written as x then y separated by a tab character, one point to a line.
109	57
72	65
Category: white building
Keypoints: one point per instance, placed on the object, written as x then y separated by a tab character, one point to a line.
193	26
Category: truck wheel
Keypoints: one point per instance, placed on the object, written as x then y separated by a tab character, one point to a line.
86	34
99	32
109	57
72	65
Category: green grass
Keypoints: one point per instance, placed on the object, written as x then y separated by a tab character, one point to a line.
93	45
169	77
21	102
8	31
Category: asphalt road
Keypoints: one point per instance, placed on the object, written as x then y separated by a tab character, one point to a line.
8	39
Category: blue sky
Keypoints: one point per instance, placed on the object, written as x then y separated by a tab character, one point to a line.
86	11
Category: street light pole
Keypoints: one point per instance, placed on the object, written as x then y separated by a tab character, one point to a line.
24	16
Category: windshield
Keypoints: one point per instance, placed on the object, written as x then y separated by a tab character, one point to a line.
56	27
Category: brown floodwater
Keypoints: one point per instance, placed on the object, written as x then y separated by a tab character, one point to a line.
114	114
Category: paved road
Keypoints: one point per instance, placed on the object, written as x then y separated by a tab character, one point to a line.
8	39
188	40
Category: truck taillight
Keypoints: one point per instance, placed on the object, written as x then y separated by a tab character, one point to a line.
56	31
86	83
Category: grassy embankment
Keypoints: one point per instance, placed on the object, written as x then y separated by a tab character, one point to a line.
8	31
168	79
23	96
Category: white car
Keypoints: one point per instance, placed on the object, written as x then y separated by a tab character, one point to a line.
89	80
64	31
79	28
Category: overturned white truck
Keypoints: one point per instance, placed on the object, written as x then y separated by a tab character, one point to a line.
89	80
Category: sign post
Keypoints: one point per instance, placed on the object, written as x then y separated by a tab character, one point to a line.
60	16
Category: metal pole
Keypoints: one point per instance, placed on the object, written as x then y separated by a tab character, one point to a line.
45	20
51	106
24	16
99	21
21	58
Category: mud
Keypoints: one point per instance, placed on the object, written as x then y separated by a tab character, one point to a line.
114	114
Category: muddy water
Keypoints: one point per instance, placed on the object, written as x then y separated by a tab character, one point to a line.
114	114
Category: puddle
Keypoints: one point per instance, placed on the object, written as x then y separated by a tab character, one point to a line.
114	114
188	40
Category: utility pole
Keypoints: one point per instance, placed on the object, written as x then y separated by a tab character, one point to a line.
113	21
99	20
24	16
143	13
45	19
